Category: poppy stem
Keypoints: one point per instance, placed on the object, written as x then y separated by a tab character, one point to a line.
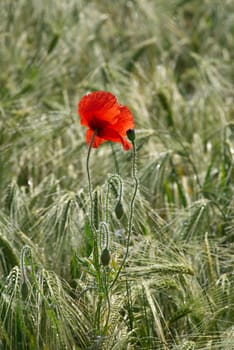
118	194
131	214
93	228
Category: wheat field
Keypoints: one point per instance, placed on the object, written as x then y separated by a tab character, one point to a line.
169	284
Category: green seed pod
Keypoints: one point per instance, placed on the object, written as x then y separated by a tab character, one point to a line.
119	210
105	257
131	134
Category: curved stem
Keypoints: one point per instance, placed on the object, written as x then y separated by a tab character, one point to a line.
119	193
89	177
134	175
93	229
108	301
105	238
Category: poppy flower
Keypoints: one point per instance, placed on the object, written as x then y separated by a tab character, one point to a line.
101	113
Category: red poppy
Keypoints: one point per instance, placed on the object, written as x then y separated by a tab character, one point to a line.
101	113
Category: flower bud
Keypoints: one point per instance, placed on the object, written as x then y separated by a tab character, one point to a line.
119	210
105	257
131	134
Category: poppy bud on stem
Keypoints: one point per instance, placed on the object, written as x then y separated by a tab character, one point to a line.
105	257
118	193
131	137
119	210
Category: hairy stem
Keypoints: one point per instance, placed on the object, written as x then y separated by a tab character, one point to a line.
134	175
93	228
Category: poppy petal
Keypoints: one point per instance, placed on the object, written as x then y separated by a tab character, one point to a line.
124	122
100	112
112	135
97	140
97	107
